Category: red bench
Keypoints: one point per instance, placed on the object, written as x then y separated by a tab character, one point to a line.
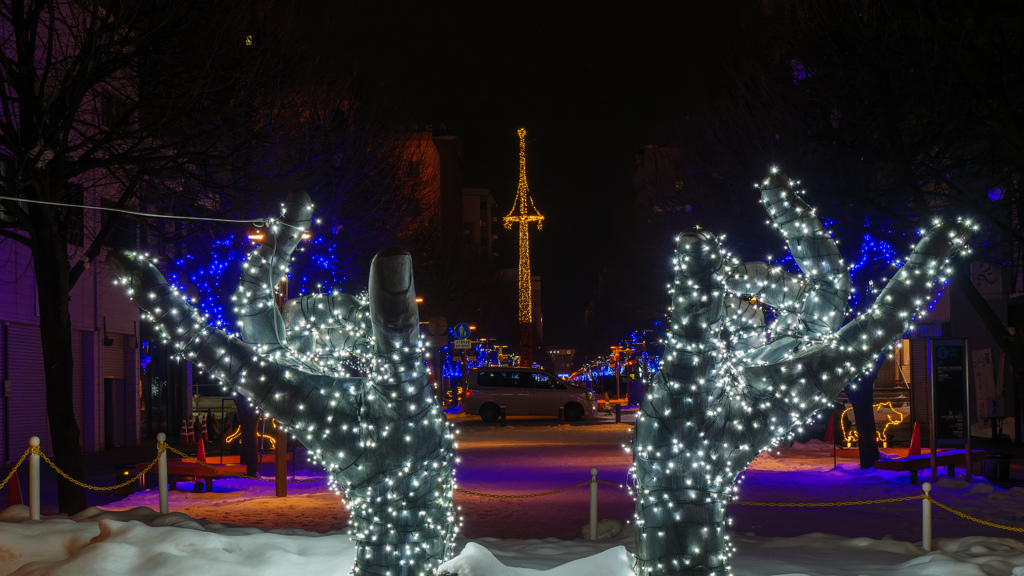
207	471
947	458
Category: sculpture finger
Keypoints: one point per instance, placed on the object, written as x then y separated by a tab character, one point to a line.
746	324
697	307
329	327
771	285
283	391
259	321
394	317
830	365
823	307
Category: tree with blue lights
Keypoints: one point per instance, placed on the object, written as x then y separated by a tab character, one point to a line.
730	387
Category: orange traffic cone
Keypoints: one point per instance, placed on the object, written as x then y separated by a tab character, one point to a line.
915	440
14	491
186	432
201	453
205	435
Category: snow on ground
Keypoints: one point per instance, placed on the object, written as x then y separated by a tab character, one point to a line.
141	541
215	533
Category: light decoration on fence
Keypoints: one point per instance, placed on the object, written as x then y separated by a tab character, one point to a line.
237	434
880	435
342	374
729	387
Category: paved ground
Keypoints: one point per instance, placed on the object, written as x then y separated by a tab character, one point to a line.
533	455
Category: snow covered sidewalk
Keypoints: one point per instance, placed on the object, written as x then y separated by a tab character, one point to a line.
143	542
243	529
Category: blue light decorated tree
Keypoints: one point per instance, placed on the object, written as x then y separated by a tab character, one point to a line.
730	387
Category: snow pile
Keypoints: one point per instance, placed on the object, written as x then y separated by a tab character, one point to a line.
872	540
143	542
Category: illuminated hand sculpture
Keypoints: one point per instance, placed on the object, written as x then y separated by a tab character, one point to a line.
382	436
730	387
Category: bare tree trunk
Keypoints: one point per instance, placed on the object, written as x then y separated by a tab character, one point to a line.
862	397
248	446
49	254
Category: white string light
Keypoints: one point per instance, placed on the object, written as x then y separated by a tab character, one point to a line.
364	408
731	387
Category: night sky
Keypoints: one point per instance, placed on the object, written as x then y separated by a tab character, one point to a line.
591	85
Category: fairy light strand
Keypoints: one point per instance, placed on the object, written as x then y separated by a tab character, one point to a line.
364	408
730	386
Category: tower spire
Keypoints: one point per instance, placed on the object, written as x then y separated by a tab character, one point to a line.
523	213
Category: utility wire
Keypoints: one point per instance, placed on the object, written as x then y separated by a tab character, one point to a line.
259	222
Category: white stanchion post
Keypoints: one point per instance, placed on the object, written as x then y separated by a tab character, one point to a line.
161	467
33	481
593	503
926	518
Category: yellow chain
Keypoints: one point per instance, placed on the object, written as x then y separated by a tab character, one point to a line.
522	495
37	450
212	467
165	447
815	504
15	469
973	519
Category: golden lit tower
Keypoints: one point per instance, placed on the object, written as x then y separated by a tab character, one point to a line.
523	212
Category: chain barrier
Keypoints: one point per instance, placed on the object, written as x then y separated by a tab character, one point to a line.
823	504
973	519
15	469
580	485
36	450
769	504
506	496
260	478
164	447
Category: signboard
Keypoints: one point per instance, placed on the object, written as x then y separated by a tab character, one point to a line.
950	397
461	330
462	344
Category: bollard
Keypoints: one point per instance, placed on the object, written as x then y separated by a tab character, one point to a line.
561	414
281	463
501	415
162	473
926	518
33	481
618	413
593	503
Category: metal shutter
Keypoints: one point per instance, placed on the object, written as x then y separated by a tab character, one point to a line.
28	397
113	357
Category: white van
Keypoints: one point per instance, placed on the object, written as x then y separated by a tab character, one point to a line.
524	392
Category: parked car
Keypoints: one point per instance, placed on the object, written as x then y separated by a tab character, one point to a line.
524	392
